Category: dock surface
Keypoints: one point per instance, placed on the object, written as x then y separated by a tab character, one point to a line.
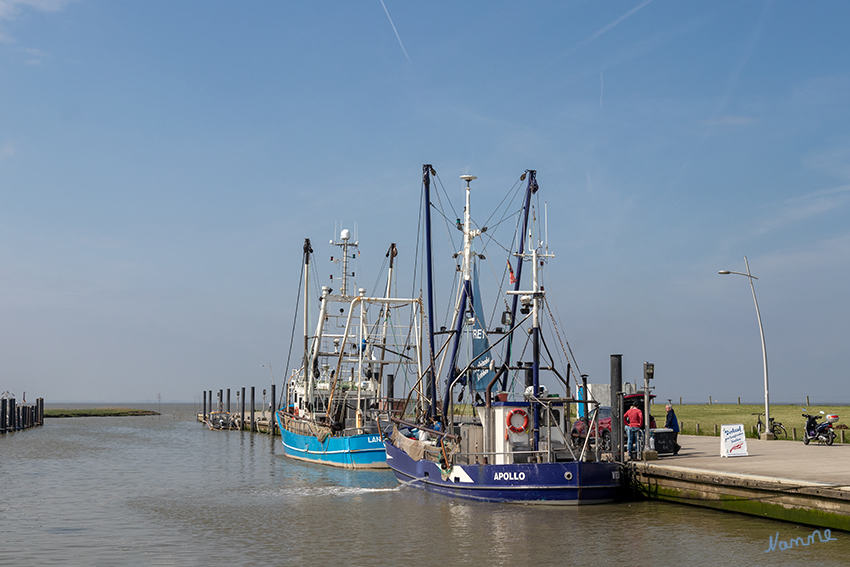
784	480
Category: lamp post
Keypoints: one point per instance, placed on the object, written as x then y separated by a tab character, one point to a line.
768	434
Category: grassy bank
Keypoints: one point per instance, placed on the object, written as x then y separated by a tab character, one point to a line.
709	415
97	412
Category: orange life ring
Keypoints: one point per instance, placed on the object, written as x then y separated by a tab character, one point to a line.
509	420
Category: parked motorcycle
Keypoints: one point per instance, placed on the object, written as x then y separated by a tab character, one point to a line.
820	432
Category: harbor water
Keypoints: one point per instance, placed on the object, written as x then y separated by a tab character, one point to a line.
164	490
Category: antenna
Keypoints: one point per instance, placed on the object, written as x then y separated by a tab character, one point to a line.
546	225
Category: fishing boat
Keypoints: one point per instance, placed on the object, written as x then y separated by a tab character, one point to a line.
342	394
514	444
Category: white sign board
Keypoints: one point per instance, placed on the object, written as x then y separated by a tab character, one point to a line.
733	442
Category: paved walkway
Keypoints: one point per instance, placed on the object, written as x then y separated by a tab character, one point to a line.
778	459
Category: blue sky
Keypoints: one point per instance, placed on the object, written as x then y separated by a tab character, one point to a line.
162	162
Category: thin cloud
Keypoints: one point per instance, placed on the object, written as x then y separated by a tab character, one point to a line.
729	120
35	55
834	162
735	76
719	110
804	207
7	150
10	8
395	30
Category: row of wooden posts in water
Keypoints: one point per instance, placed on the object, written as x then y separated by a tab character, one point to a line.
16	418
223	405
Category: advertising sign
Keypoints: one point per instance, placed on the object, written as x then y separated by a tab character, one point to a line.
733	442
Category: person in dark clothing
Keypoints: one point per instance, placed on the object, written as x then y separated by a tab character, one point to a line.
673	423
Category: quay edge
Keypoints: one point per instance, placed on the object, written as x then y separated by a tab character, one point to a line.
818	504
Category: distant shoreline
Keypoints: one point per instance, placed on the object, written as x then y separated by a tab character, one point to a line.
97	412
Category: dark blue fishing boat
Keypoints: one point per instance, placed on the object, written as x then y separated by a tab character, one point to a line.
514	447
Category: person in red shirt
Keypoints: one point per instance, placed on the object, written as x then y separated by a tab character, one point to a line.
634	423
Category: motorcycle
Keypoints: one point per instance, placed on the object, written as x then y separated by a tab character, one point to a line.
820	432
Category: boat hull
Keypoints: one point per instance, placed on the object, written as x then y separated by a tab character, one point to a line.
350	452
562	483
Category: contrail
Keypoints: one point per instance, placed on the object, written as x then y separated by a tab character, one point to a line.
601	88
395	30
603	30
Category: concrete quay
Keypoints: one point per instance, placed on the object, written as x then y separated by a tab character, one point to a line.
781	480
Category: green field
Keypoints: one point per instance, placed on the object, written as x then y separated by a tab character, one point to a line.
707	416
97	412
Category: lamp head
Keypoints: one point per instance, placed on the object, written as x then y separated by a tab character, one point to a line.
724	272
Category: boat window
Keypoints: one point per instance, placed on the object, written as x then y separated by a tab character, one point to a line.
553	418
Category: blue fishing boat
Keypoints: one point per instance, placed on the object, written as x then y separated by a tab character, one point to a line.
341	396
514	444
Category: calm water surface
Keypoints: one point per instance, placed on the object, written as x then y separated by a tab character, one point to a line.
164	490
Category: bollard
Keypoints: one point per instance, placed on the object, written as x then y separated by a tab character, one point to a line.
252	408
739	400
680	400
697	433
755	433
793	434
807	401
842	436
616	381
709	400
715	429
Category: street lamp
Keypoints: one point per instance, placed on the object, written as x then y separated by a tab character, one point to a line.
768	433
269	366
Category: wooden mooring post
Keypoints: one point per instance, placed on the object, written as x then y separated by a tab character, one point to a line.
15	417
251	417
252	409
274	410
242	416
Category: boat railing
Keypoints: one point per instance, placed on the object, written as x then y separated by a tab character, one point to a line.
433	432
309	426
525	456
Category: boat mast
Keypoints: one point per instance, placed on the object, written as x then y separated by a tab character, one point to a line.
465	293
385	312
535	343
531	188
307	374
431	388
345	236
